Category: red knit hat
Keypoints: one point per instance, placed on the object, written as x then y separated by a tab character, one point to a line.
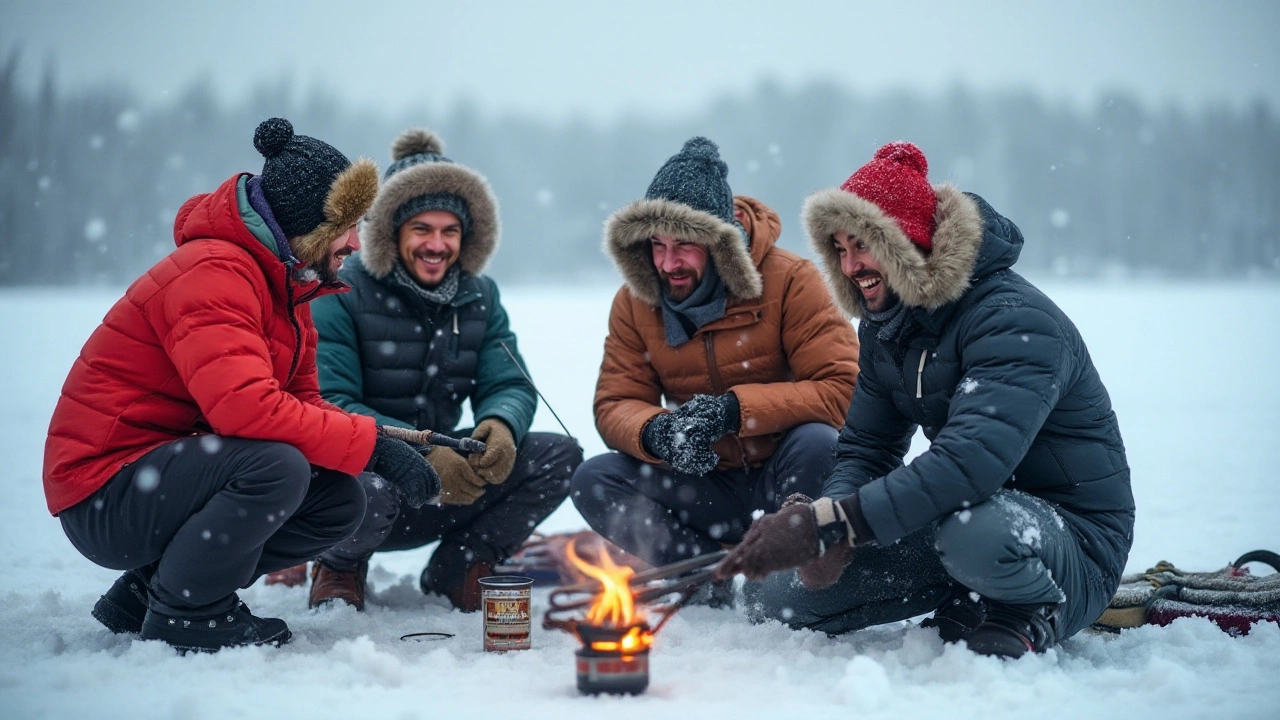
895	181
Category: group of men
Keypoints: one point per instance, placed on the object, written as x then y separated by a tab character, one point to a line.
254	402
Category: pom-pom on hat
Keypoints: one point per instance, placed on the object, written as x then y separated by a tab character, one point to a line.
314	191
697	177
896	181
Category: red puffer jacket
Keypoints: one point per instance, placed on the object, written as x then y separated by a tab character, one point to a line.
213	338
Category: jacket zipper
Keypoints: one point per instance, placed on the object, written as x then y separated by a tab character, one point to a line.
717	384
924	353
293	320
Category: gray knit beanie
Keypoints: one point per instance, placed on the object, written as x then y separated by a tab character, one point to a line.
416	147
695	176
297	175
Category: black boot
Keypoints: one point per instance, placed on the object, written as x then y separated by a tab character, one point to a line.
233	628
1011	631
123	607
957	616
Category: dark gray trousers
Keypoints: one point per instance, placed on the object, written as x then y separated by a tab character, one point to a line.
203	516
662	516
488	530
1013	549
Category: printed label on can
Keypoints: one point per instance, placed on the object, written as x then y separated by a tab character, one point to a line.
506	615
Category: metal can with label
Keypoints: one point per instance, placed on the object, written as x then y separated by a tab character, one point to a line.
506	604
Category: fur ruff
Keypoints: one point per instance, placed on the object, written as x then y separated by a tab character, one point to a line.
349	198
628	231
382	244
924	281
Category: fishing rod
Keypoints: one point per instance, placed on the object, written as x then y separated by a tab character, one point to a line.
535	388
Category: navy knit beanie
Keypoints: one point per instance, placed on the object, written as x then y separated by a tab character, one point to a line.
695	176
297	175
415	147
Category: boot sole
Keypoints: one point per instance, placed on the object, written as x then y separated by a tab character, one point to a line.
115	617
276	641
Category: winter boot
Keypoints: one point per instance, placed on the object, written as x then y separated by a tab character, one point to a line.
289	577
329	585
1011	631
235	628
123	607
957	616
465	595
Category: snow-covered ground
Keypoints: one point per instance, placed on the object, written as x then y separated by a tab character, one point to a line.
1191	370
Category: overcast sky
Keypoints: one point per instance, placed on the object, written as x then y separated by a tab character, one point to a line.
602	59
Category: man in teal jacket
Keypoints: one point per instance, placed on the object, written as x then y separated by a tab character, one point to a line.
421	331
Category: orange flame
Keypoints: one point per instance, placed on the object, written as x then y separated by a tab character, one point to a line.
615	605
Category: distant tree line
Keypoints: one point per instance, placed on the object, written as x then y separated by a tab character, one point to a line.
90	181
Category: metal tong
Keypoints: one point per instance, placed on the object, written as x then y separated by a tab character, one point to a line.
682	578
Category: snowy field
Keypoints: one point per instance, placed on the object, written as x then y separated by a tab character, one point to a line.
1191	370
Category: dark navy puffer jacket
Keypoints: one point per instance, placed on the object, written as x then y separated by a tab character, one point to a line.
993	372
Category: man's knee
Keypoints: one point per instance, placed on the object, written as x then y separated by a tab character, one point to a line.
974	544
812	438
588	485
283	468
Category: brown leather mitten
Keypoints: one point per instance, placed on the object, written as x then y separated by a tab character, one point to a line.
821	573
459	484
495	463
783	540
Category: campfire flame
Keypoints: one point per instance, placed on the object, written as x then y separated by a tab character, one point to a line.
615	606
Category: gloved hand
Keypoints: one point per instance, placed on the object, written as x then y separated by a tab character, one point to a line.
709	417
821	573
460	484
665	437
783	540
495	463
402	465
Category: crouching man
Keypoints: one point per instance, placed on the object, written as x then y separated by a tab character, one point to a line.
1015	525
422	331
190	446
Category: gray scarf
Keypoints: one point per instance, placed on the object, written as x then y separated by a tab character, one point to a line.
892	326
704	305
441	294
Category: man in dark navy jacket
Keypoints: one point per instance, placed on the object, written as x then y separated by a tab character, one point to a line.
1015	525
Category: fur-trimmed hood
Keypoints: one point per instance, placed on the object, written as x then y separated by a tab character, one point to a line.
381	249
627	233
971	241
349	198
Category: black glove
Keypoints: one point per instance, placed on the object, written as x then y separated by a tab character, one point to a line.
683	438
666	438
403	465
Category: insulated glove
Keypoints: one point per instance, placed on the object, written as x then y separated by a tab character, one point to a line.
665	437
460	484
402	465
823	572
495	463
783	540
712	416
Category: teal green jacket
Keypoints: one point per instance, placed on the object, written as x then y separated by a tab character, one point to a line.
387	352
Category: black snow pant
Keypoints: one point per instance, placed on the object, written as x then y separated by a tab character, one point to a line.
662	516
1013	549
203	516
488	530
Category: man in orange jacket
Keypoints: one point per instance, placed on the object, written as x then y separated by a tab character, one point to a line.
742	341
191	447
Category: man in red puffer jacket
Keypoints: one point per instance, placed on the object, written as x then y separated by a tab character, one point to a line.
190	446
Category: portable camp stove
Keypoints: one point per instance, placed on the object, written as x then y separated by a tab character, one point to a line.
609	616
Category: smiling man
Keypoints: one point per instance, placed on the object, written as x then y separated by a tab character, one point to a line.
1015	524
726	369
421	332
